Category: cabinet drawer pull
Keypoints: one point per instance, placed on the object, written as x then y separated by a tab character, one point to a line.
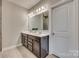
30	43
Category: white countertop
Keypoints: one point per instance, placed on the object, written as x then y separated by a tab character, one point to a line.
38	34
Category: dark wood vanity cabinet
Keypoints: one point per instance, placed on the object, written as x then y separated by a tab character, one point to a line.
37	45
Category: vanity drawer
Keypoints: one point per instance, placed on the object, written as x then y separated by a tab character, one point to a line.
30	47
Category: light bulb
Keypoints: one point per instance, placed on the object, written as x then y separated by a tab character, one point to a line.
39	9
43	8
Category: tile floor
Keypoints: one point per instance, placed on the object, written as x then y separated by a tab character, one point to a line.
20	52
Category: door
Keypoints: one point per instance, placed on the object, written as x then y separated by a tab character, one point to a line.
61	23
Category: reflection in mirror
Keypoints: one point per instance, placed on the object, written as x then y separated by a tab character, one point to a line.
35	22
39	22
45	21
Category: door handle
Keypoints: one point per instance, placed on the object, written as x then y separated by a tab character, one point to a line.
53	33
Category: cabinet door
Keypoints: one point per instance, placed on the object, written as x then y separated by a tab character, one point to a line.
36	47
44	46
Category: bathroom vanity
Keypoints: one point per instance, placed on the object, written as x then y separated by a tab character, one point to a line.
38	44
36	38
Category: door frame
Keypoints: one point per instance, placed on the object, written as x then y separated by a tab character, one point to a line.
62	2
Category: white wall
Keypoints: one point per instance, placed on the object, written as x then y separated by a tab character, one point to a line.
74	45
78	27
13	23
0	25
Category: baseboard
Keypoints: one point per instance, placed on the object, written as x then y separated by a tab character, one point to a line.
8	48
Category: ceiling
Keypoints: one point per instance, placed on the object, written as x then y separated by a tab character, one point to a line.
25	3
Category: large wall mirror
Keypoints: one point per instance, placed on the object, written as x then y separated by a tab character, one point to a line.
39	22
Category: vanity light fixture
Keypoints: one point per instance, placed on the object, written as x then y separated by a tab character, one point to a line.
38	11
